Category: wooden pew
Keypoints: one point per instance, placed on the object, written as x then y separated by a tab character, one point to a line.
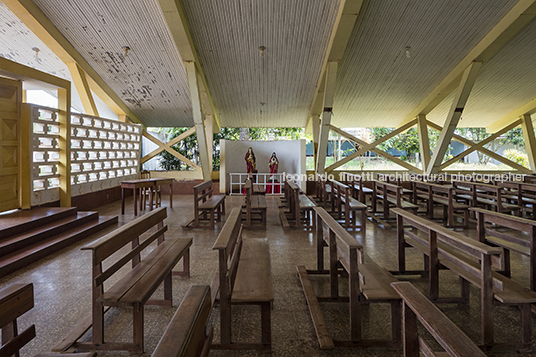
484	195
416	307
521	194
472	261
391	196
323	189
134	288
511	233
15	301
343	199
186	335
367	283
206	203
359	190
254	204
297	203
244	277
443	195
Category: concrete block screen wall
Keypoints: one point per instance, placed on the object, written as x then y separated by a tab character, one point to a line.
291	155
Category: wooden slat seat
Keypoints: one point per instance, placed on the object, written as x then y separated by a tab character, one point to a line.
207	206
367	283
244	277
187	334
135	287
472	261
15	301
391	196
305	202
417	307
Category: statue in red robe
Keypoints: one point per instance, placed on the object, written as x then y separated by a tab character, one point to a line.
251	164
273	163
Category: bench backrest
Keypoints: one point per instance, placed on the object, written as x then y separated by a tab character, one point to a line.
14	302
129	233
504	220
349	251
388	190
341	191
292	195
229	245
187	334
445	332
434	190
436	232
202	192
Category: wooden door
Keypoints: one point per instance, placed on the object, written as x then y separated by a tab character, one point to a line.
10	101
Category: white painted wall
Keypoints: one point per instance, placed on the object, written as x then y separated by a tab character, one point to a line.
291	155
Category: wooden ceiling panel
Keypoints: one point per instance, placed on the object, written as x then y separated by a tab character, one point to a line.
274	90
149	77
504	84
377	84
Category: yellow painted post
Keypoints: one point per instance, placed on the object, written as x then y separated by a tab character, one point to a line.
424	143
329	92
315	123
209	132
26	184
530	140
64	165
82	87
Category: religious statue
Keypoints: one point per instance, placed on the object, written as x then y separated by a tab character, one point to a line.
250	161
273	163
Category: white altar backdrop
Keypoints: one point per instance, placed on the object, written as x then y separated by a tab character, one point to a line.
290	153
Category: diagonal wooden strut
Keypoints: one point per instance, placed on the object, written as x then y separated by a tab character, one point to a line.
372	147
480	144
168	147
483	150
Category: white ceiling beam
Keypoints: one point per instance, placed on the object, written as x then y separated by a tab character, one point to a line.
329	93
519	16
424	142
530	140
342	29
453	117
178	26
43	28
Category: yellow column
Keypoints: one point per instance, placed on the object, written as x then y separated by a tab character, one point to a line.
64	165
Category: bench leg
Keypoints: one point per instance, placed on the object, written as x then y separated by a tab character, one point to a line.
396	320
138	327
465	291
411	335
526	325
364	221
266	324
212	218
168	290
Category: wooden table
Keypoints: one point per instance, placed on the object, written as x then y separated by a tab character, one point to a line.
166	181
137	185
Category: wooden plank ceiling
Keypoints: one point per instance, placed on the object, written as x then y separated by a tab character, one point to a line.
377	84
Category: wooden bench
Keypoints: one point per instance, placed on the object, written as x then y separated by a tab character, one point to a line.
443	195
254	204
297	204
484	195
356	183
205	203
416	307
343	199
244	277
472	261
186	334
15	301
323	189
521	194
511	233
134	288
367	283
391	196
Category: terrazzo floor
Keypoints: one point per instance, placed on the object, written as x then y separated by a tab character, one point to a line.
63	291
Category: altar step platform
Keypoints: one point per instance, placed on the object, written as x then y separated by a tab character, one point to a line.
29	235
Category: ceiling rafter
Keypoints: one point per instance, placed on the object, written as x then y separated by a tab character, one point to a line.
178	26
43	28
519	16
